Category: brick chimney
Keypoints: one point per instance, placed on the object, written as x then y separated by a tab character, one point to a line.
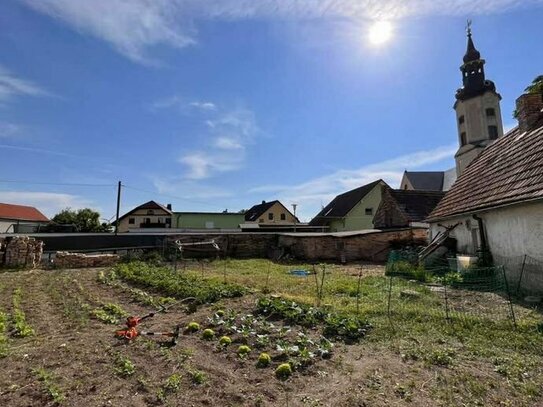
169	207
530	111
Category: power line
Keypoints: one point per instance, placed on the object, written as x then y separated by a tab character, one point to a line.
55	183
172	196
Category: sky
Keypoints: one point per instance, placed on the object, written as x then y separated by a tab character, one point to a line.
220	104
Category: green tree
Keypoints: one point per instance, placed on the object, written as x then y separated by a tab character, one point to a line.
535	87
86	220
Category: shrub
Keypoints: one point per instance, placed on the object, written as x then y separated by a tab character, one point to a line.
283	371
264	360
208	334
244	350
225	341
192	327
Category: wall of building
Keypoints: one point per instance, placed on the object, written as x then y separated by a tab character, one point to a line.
276	210
389	214
139	217
357	219
6	226
208	220
511	233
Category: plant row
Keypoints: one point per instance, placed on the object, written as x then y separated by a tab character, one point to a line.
174	284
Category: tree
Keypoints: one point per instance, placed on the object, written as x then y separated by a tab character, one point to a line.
535	87
86	220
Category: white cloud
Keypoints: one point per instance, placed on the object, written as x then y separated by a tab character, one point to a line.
9	130
230	134
310	195
49	203
203	105
132	27
12	86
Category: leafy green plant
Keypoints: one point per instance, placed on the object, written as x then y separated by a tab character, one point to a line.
109	313
283	371
21	326
4	350
192	327
173	383
208	334
243	351
124	366
264	360
174	284
225	341
52	389
441	357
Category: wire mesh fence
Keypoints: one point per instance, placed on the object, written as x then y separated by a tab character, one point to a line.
451	292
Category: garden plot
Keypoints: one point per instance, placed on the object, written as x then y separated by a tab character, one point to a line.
254	338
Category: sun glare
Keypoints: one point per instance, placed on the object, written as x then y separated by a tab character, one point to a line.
380	32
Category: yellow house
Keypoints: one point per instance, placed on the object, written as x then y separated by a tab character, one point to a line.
270	213
149	215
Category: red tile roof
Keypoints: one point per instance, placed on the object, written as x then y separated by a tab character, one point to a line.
21	212
508	171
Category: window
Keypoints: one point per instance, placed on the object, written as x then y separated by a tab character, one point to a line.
369	211
261	220
131	221
461	119
159	220
490	112
463	140
150	212
168	221
283	216
147	220
493	132
270	216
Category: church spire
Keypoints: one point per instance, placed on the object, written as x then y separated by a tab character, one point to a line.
473	72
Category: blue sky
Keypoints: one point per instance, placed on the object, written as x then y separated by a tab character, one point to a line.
223	103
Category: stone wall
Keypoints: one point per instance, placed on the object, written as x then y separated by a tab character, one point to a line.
69	260
22	251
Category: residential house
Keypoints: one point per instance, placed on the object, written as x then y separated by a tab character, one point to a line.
428	180
405	208
270	213
496	204
352	210
208	220
150	215
20	218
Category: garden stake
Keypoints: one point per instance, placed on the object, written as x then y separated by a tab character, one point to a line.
358	291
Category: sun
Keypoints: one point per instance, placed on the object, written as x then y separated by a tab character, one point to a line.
380	32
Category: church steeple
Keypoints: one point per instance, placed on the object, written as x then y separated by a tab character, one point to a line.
477	108
473	72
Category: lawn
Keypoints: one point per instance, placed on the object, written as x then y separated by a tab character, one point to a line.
368	343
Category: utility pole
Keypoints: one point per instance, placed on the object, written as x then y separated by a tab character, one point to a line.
118	207
294	205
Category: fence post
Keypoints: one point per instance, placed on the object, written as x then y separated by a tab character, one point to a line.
358	291
509	297
520	277
447	316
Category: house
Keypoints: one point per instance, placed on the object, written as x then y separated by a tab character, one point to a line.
428	180
352	210
270	213
146	216
20	218
405	208
208	220
496	204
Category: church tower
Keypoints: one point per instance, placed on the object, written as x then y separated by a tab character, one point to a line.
477	106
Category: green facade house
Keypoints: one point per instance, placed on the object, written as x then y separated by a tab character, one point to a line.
207	220
352	210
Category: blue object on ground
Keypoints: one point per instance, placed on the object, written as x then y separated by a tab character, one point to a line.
301	273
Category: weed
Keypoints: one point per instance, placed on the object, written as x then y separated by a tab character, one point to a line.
243	351
198	377
283	371
225	341
173	383
124	366
52	389
441	357
109	313
404	391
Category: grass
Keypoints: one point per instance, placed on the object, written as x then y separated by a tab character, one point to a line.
4	346
52	389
